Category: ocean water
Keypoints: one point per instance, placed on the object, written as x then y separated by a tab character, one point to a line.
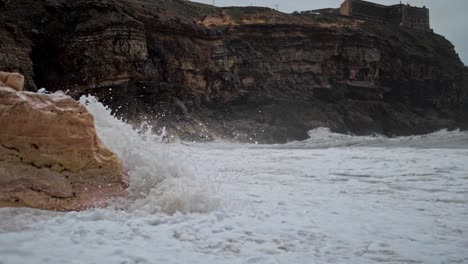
330	199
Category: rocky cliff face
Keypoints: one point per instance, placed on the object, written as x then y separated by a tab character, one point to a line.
248	73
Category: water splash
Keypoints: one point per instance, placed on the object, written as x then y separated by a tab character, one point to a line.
159	180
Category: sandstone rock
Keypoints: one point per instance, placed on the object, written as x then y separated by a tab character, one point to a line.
3	76
12	80
50	155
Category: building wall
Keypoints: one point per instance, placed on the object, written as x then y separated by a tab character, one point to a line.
404	15
415	17
368	10
345	8
395	14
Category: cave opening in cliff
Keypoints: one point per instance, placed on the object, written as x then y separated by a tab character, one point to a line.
48	64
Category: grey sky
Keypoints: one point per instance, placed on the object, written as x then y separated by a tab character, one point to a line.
448	17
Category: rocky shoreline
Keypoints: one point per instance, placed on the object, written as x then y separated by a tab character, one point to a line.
250	74
50	155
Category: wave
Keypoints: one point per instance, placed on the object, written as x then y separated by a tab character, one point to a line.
159	180
324	138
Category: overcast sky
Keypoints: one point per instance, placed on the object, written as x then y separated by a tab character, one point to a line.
448	17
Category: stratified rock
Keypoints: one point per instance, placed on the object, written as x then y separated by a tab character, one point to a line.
50	154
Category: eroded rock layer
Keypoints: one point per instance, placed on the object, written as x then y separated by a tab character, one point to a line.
50	155
246	73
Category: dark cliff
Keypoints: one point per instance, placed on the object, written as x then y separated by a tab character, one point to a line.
247	73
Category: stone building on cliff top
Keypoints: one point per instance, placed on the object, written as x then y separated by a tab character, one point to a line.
400	14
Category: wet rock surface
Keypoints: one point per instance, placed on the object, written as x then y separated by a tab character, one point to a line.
251	74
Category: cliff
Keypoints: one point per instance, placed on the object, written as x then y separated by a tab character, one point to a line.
246	73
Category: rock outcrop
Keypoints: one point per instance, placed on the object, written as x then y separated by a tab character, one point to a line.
246	73
12	80
50	155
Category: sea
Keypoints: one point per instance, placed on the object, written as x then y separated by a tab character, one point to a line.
333	198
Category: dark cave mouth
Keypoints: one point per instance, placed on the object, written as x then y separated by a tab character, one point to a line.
48	58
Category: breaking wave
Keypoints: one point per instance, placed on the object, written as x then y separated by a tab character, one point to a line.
324	138
159	181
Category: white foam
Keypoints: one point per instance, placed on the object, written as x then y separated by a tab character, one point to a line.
159	179
325	138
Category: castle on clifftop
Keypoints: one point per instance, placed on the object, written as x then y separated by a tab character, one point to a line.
400	14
